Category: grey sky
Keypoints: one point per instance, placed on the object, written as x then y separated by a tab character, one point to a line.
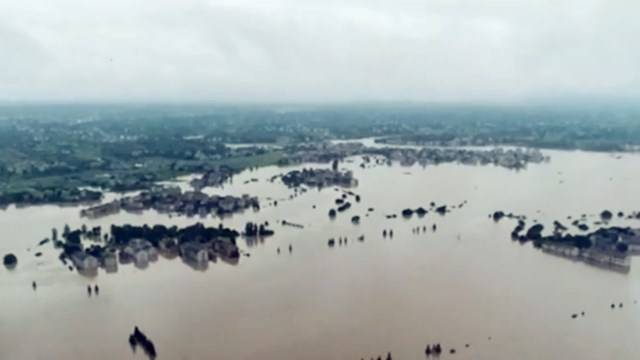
318	50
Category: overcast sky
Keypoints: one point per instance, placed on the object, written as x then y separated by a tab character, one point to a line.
318	50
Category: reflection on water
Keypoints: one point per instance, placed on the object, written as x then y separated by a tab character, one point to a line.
251	241
467	282
197	265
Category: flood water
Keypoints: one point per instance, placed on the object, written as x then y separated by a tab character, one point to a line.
466	283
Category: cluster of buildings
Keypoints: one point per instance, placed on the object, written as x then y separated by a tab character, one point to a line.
214	178
197	253
48	195
141	252
195	245
508	158
319	178
320	152
323	153
610	247
174	200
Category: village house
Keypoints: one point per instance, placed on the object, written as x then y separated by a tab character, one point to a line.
632	239
195	252
141	251
84	262
110	260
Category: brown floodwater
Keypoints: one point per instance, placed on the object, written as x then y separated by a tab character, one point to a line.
466	283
